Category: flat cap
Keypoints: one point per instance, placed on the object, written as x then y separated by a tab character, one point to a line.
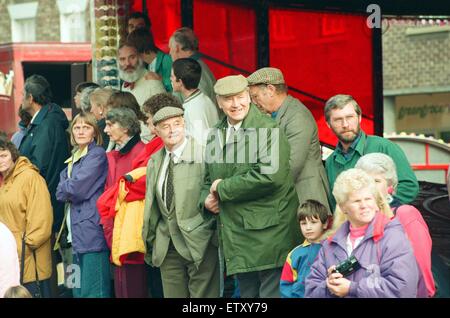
230	85
166	113
266	75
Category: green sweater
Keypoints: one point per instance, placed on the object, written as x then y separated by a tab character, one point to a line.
407	188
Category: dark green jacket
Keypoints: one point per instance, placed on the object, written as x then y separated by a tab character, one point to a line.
46	145
163	68
407	188
257	220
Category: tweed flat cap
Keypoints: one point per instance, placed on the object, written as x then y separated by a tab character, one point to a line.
230	85
166	113
266	75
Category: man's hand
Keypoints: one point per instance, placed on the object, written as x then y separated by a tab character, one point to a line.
153	76
337	284
213	189
212	203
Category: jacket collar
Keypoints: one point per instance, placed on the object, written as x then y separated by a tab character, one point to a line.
375	230
282	110
130	144
41	115
358	147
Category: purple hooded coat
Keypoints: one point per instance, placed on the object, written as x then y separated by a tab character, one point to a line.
388	266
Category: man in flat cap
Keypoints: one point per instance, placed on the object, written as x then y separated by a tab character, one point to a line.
269	91
249	186
179	236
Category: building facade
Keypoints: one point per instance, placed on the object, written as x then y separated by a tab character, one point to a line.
44	21
416	77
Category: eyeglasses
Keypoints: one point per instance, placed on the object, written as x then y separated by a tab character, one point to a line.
348	119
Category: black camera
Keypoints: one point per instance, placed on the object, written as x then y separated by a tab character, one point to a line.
348	266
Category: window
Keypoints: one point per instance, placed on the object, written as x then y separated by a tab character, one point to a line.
23	21
72	20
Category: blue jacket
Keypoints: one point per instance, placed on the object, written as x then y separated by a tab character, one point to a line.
82	191
297	267
388	266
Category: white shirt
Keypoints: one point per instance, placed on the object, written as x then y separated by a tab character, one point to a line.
176	158
230	128
350	247
152	66
32	119
200	114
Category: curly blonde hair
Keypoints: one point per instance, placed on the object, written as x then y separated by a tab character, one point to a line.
346	183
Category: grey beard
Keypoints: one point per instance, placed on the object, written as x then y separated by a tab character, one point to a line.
134	76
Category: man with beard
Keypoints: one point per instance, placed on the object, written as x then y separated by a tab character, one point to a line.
343	116
132	71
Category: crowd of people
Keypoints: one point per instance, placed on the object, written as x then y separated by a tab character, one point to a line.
182	186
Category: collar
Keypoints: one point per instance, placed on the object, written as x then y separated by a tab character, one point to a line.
177	152
358	146
35	115
352	146
78	154
236	126
375	229
192	96
130	144
306	243
40	115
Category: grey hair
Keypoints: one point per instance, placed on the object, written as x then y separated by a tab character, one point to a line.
85	101
338	102
186	38
378	162
126	118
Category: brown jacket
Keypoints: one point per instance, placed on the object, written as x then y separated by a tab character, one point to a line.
25	208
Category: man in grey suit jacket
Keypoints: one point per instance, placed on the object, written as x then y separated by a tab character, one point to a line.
269	91
180	238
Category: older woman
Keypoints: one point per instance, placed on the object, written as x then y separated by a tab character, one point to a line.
123	128
127	100
80	185
362	228
99	100
382	168
25	208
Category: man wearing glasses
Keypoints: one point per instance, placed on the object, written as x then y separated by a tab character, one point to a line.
343	117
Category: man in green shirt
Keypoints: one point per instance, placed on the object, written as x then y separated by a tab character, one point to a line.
343	116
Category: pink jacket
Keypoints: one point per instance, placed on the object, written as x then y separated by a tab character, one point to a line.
9	264
419	236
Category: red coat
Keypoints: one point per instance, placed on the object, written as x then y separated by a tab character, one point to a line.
120	161
107	202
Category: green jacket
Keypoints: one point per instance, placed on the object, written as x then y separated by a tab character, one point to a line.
407	188
163	67
257	219
195	228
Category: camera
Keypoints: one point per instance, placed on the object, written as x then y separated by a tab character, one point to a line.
348	266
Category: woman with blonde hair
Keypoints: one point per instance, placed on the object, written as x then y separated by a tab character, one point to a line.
99	102
382	168
17	292
381	258
80	185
